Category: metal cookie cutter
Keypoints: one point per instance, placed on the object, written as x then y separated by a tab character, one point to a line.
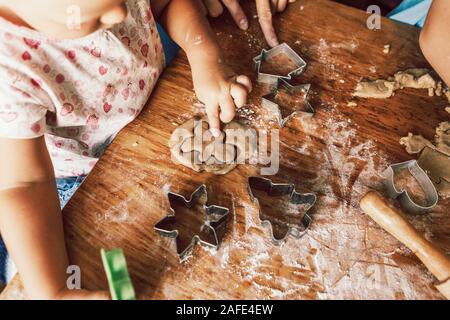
212	228
115	265
265	55
279	189
269	101
439	174
422	178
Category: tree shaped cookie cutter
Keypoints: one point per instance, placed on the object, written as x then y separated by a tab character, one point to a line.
269	102
212	230
402	195
272	79
296	198
115	265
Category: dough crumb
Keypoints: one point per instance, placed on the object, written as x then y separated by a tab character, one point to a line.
415	143
438	90
442	138
386	48
447	94
379	89
352	104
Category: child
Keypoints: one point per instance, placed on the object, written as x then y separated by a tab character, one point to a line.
434	38
66	90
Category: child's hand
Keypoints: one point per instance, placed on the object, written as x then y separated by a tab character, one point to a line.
221	90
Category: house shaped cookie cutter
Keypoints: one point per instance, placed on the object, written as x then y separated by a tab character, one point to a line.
212	230
115	265
268	101
281	189
272	79
402	195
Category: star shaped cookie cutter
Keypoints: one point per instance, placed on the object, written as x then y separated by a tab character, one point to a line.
210	232
269	101
404	198
299	64
295	198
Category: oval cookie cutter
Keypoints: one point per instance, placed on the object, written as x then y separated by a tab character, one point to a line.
296	198
212	229
402	195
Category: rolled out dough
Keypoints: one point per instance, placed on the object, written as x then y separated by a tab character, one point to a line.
193	145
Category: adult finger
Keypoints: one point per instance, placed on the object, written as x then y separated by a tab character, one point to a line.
245	81
214	7
265	21
239	94
237	13
212	111
227	108
282	4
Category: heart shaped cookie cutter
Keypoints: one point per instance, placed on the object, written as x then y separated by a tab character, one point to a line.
402	195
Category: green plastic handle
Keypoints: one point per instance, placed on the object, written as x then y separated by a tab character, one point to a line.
115	264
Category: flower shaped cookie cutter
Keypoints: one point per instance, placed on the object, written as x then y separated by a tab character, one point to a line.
210	229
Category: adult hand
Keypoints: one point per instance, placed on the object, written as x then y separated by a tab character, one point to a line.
265	10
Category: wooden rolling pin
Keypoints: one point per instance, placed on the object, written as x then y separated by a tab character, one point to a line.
391	220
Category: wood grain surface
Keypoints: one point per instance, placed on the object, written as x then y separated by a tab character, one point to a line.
339	154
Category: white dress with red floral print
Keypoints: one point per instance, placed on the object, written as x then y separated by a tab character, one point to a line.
78	93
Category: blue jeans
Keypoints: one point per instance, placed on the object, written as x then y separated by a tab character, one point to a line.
66	188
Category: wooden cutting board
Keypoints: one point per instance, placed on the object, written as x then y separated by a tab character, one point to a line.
339	154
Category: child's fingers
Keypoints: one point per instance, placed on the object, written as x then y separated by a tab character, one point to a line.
245	81
212	111
237	13
265	20
214	7
239	94
227	108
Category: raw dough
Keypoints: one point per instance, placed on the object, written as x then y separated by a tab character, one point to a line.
434	158
436	165
193	145
411	78
379	89
415	143
415	78
443	137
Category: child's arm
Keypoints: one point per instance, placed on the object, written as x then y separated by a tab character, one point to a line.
434	38
215	83
31	220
